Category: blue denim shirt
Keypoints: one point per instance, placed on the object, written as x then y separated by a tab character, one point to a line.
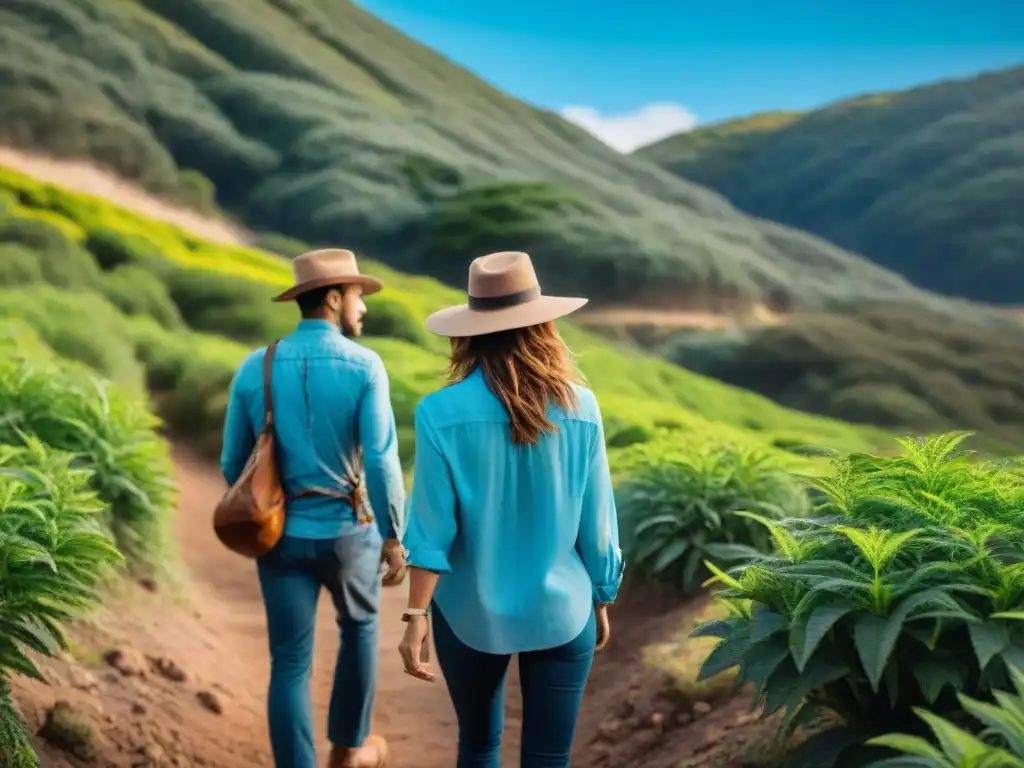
330	397
525	537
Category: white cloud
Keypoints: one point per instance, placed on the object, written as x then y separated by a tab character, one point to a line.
634	129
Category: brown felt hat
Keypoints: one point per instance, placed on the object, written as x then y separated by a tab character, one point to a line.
503	294
330	266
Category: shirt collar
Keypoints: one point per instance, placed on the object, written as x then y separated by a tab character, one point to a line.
316	326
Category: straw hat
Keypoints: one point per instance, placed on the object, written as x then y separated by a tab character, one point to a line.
330	266
503	294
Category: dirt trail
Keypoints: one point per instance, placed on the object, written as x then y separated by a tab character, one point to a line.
216	639
415	717
677	318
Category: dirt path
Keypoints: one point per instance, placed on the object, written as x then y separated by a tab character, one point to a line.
415	717
677	318
145	705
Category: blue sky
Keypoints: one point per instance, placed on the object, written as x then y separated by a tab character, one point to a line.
630	68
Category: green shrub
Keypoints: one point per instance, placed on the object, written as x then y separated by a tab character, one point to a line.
391	316
114	436
1000	745
79	326
229	305
55	554
196	191
136	291
63	263
282	245
693	504
190	374
8	202
905	589
112	248
18	266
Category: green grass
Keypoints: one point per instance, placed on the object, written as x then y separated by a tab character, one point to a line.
223	291
313	117
925	182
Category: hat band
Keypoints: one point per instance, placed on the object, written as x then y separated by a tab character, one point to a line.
488	303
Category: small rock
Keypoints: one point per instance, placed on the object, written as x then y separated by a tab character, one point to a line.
211	701
126	661
609	728
65	728
138	708
168	669
151	755
148	583
83	680
684	718
701	708
657	719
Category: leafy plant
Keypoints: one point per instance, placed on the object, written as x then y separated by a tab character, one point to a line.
113	434
1000	744
54	554
702	502
905	589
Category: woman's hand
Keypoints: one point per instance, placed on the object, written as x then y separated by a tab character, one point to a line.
415	649
604	626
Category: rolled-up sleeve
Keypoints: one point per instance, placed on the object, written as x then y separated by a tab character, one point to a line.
598	539
431	521
379	438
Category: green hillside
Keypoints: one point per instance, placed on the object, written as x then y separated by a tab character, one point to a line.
317	120
903	368
153	308
927	182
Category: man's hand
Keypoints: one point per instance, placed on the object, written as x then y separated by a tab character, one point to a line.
604	626
394	555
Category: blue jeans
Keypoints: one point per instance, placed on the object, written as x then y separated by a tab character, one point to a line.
552	683
291	576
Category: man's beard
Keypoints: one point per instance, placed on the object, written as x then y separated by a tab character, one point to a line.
350	331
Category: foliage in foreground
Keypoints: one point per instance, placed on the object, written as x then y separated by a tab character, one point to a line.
904	589
999	745
701	502
54	554
112	434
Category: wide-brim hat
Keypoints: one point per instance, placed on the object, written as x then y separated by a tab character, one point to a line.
327	267
504	294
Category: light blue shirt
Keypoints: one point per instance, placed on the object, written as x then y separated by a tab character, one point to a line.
330	397
525	537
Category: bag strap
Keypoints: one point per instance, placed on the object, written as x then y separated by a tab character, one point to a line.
268	392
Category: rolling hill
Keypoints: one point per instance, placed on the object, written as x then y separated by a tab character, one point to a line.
315	119
928	182
153	306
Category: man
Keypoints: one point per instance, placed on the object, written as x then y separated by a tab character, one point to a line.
332	402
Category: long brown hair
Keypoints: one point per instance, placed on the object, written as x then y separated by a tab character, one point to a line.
527	369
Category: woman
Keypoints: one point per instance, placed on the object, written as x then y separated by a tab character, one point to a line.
512	536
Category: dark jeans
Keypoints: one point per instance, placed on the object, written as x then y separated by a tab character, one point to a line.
552	683
291	576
